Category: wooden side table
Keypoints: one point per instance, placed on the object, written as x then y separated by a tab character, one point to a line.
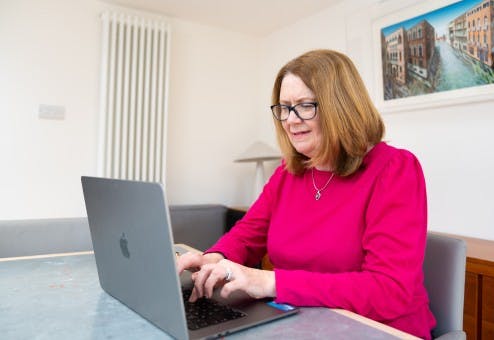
478	313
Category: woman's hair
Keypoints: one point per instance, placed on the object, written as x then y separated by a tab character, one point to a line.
349	121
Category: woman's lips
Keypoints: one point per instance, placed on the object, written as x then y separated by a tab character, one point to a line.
300	133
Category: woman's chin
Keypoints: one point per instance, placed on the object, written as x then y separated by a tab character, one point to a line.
304	150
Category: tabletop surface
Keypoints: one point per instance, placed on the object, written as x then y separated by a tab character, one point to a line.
60	298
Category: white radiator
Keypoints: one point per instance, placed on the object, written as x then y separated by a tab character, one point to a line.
133	101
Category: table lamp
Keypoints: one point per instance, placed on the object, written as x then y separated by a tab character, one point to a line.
259	152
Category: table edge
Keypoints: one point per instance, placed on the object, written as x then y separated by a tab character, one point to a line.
42	256
375	324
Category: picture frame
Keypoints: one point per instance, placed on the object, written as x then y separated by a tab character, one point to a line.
405	82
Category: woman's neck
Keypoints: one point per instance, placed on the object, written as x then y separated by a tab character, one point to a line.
323	167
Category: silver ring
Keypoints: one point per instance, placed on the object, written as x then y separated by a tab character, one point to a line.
229	274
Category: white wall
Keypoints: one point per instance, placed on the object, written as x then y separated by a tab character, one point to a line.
455	147
453	143
51	55
212	114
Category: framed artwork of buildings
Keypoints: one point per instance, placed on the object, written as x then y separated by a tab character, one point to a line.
435	53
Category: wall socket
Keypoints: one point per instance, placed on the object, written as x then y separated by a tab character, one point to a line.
51	112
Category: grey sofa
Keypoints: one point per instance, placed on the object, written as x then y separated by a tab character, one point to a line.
196	225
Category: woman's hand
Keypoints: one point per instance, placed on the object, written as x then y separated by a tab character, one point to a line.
193	261
231	276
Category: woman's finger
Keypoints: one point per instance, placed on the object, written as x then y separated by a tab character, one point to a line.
193	295
217	276
200	278
190	261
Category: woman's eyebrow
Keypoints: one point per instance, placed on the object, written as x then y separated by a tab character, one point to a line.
300	100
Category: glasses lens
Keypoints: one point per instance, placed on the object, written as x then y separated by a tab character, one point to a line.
280	112
306	110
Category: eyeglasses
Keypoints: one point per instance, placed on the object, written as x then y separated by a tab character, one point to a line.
304	111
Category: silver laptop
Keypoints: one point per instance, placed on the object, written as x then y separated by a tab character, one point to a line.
135	256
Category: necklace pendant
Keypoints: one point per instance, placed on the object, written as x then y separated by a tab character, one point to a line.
317	196
318	193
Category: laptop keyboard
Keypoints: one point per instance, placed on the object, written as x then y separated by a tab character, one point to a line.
205	312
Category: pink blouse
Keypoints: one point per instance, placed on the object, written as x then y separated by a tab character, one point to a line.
359	247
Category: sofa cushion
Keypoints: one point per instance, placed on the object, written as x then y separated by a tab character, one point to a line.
198	226
44	236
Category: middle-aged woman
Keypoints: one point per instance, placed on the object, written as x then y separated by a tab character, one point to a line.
343	218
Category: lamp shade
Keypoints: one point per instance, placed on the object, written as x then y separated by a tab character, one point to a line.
258	151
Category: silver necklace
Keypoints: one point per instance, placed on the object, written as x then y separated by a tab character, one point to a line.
318	194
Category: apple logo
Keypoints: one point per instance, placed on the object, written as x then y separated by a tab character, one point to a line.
124	246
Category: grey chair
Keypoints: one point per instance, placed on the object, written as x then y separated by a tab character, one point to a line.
444	270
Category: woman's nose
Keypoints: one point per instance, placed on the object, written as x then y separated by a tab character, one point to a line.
293	117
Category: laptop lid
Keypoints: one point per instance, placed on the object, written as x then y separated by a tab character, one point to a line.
135	258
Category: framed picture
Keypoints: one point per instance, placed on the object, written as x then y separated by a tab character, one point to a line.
435	53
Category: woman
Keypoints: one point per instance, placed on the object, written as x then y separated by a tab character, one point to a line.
343	219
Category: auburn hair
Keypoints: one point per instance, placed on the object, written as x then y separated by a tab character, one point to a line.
350	123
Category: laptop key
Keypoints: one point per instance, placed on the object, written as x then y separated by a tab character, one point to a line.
205	312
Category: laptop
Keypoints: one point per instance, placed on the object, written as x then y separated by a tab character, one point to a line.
135	257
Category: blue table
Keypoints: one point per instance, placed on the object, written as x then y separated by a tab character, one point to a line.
59	297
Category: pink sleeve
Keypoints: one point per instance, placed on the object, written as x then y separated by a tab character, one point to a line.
393	244
245	243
